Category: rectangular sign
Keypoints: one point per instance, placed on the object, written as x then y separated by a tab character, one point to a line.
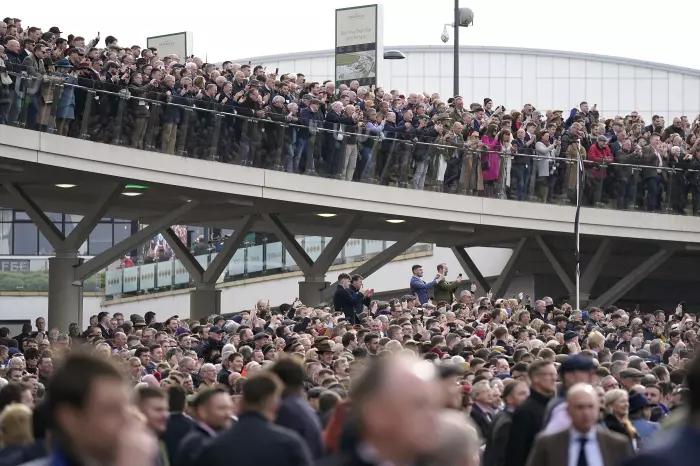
358	44
179	43
14	265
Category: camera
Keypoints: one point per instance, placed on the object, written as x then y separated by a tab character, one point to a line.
445	36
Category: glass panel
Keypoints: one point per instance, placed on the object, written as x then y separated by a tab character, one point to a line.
374	246
181	276
237	265
25	237
148	277
273	256
5	238
100	239
353	250
21	215
164	274
130	281
45	248
313	246
113	282
254	260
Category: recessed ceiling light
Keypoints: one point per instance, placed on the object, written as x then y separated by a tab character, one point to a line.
326	215
131	193
395	220
65	185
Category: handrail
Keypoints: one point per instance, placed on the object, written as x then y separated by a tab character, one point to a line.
125	94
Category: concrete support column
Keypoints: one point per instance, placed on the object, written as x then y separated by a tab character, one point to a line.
311	290
65	293
205	300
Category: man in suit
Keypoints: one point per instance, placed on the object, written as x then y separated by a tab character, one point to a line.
584	444
255	440
294	411
528	419
418	285
482	410
514	394
212	409
179	424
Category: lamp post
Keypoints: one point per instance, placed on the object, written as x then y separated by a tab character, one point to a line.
463	17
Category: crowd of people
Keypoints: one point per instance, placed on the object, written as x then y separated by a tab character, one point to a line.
436	377
247	114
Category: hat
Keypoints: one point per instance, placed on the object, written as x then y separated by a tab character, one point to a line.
55	30
181	331
631	373
315	101
570	335
267	348
324	347
637	402
215	329
577	362
260	335
602	138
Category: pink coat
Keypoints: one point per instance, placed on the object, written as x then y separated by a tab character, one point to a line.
493	157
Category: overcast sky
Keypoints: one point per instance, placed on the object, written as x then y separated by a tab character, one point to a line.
654	31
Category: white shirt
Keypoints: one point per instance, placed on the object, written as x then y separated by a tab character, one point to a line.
559	419
593	455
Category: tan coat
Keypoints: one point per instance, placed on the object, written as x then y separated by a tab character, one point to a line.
553	449
571	167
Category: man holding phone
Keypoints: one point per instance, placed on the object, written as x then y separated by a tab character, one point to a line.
444	290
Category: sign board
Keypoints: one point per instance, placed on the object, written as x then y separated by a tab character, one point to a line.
358	44
179	43
14	265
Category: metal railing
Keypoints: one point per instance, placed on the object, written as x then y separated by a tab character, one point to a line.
151	119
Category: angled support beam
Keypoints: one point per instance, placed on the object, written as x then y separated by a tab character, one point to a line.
590	275
375	263
556	265
295	250
231	245
473	272
45	225
186	257
82	231
105	258
332	249
501	284
629	281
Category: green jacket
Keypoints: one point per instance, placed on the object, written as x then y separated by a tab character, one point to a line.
444	291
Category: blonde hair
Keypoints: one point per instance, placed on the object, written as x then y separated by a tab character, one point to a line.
612	396
16	425
596	340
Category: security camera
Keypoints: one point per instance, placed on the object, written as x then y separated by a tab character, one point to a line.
466	17
445	35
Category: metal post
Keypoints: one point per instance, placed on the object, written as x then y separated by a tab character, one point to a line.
456	51
576	230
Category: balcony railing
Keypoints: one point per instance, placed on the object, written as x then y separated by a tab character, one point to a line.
248	262
151	119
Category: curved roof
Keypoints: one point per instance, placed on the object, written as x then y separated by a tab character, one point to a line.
494	49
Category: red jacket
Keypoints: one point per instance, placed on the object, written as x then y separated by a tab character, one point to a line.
598	155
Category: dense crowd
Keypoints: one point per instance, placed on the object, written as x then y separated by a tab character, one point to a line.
437	377
247	114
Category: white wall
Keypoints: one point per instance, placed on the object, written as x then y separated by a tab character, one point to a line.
512	77
244	294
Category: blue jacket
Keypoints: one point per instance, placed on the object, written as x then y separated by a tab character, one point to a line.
295	414
679	447
420	288
350	301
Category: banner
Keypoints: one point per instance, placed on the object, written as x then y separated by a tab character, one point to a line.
358	44
179	43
